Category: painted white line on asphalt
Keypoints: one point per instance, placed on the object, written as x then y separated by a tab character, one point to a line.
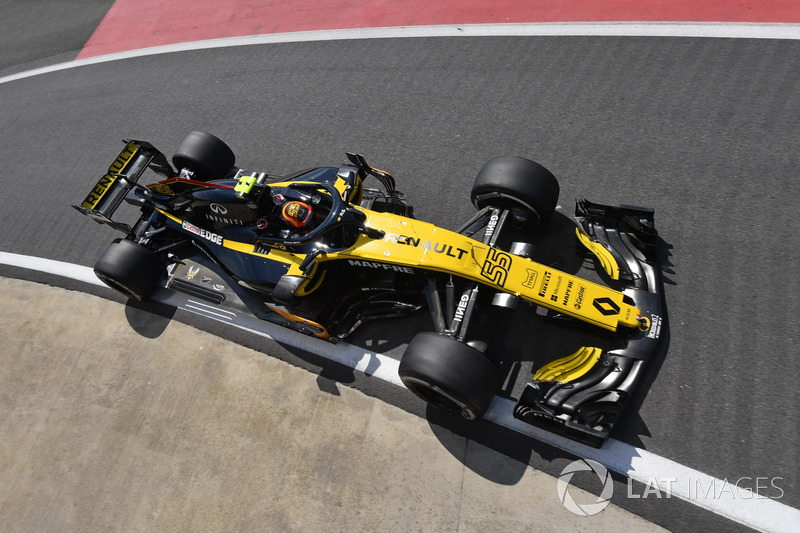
544	29
354	357
730	498
49	266
720	496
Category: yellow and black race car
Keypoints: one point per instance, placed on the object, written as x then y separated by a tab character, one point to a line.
321	252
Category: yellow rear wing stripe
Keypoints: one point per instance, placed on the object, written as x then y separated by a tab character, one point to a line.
117	167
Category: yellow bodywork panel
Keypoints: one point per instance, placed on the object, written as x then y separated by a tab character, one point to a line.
412	243
571	367
117	167
409	243
607	260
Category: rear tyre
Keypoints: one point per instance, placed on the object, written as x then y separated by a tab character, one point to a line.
449	375
205	155
517	183
129	268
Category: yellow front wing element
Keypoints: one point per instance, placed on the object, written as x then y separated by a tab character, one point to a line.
411	243
607	260
571	367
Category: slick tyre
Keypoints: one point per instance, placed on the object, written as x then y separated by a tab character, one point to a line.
449	375
516	182
205	155
129	268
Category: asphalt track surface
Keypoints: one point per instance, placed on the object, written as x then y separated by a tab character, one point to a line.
703	130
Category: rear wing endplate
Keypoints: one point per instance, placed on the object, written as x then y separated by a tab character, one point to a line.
122	176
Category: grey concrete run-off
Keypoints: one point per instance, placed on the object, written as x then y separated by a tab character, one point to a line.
106	429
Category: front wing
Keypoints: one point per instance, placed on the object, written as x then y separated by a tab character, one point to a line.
582	395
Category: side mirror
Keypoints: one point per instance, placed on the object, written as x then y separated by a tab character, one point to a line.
384	177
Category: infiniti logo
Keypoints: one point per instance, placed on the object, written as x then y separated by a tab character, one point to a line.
218	209
587	509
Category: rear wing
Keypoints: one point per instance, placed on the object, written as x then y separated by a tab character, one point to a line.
122	177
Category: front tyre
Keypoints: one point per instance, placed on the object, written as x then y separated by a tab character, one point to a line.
129	268
517	183
449	375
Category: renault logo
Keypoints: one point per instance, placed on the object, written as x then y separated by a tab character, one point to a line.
606	306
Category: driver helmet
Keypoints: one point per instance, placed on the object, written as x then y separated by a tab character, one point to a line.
297	214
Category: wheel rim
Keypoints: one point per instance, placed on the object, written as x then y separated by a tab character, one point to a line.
438	398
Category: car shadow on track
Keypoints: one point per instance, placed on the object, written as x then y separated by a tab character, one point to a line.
631	427
148	319
521	344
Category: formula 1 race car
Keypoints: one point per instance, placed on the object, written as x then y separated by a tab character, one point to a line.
321	252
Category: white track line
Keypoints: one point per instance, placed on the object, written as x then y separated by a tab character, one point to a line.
720	496
726	497
548	29
49	266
